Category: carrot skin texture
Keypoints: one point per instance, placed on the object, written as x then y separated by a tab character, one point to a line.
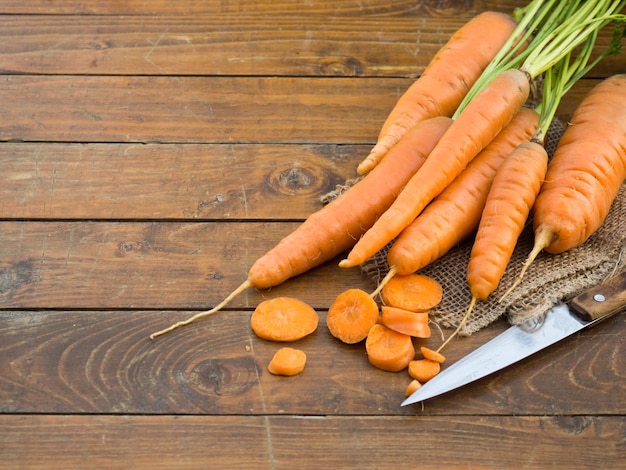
587	168
511	197
437	92
455	213
479	123
336	227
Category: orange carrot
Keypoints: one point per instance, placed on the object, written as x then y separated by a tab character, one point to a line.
511	197
287	361
413	386
413	292
423	370
432	355
351	316
585	173
454	215
283	319
477	125
445	81
404	321
336	227
387	349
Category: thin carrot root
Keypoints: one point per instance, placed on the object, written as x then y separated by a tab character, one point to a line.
423	370
544	235
245	285
413	292
283	319
384	281
287	361
352	315
461	324
387	349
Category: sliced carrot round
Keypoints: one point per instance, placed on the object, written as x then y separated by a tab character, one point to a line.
351	316
413	386
387	349
404	321
432	355
287	361
414	292
423	369
283	319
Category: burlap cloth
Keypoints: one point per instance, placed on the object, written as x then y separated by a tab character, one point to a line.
550	279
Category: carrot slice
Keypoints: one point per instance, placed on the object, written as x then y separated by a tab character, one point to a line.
432	355
351	316
283	319
389	350
404	321
412	387
414	292
423	369
287	361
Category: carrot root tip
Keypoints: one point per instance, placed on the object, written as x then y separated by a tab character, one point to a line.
544	236
458	328
245	285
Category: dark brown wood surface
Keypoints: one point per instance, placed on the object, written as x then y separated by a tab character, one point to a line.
149	153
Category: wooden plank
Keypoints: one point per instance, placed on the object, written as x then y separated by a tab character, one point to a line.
147	265
129	181
103	362
195	109
276	442
251	45
202	109
325	8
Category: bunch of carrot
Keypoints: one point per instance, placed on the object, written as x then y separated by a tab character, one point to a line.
460	154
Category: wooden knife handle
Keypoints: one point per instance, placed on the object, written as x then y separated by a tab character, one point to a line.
602	300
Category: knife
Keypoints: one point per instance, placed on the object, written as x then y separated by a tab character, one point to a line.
520	341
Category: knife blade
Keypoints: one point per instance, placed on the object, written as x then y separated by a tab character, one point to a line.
520	341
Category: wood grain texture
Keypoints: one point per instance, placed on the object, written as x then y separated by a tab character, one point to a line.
323	8
161	182
103	362
144	265
251	45
276	442
289	46
203	109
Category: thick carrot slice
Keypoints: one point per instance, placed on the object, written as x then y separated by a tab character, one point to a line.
287	361
432	355
351	316
413	292
413	386
283	319
423	369
389	350
404	321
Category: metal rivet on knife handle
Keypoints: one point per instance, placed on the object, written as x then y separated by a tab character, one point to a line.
604	299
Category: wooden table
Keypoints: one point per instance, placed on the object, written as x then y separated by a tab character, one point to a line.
150	152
